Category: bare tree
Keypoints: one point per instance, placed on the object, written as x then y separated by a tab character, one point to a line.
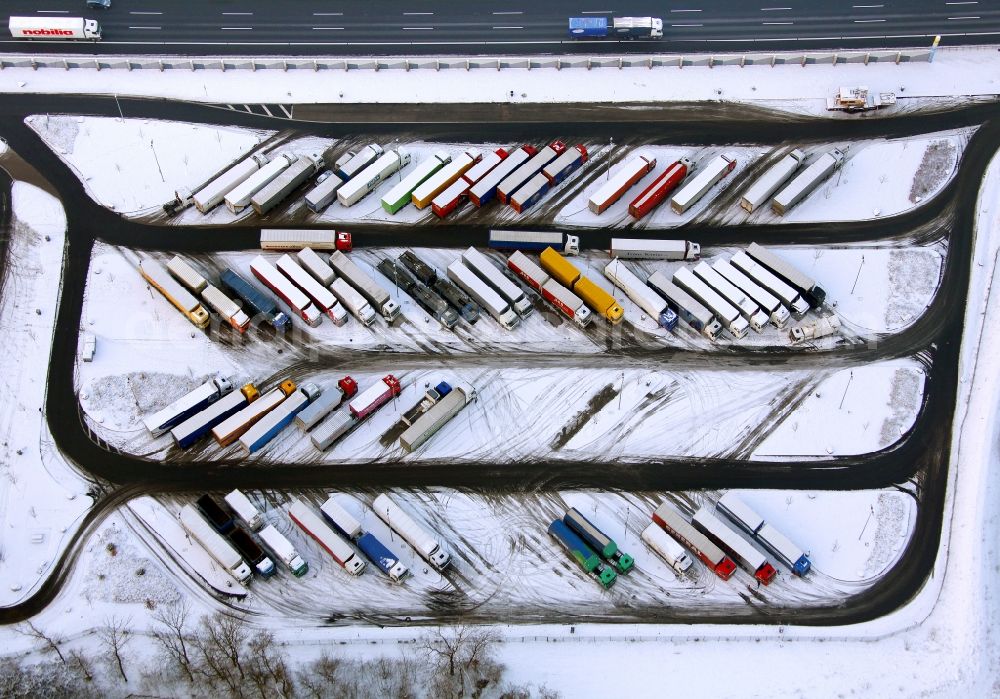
82	663
323	677
173	637
465	652
266	668
115	636
219	648
33	631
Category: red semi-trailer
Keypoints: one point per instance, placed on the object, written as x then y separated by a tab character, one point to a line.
699	544
658	190
374	397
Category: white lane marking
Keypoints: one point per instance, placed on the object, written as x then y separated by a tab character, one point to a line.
597	12
518	12
235	29
416	29
237	13
508	27
417	13
774	9
328	14
952	18
864	21
145	13
865	7
769	23
685	10
687	25
329	28
967	2
53	12
144	27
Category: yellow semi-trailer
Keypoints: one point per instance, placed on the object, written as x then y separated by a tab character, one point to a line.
158	277
444	178
599	300
559	268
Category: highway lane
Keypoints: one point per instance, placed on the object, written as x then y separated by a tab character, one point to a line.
312	27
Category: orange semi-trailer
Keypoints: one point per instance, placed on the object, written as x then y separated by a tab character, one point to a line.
593	295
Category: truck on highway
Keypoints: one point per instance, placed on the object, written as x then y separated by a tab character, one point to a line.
535	240
624	179
239	197
214	514
688	308
740	301
41	27
483	294
322	298
271	425
342	552
329	400
640	249
699	544
201	423
485	189
740	514
213	193
311	262
214	544
179	297
233	427
333	428
227	309
278	189
444	287
436	417
351	163
661	187
768	302
814	331
360	280
283	550
596	298
812	292
600	542
435	306
374	397
727	314
376	552
695	189
324	191
806	181
583	554
654	305
767	279
480	264
251	552
560	168
402	192
258	303
244	509
365	182
424	194
415	535
286	291
165	419
738	548
294	239
512	182
761	191
353	301
666	547
615	27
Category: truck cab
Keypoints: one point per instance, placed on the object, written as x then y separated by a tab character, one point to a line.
99	4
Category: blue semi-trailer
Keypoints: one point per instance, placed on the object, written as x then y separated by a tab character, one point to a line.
375	550
603	544
269	426
617	27
256	301
200	424
583	554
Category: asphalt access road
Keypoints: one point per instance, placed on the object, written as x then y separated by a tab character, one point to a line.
924	452
354	27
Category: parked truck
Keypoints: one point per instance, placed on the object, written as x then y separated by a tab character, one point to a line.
484	295
561	168
353	301
245	510
375	294
616	27
278	189
444	287
239	197
47	28
435	306
214	544
535	240
286	291
329	400
515	180
214	514
402	192
342	552
351	163
295	239
450	199
688	308
859	99
213	193
251	552
600	542
227	309
764	533
717	168
258	303
283	550
530	193
333	428
201	423
566	301
376	552
624	179
738	548
660	188
374	397
740	301
484	166
324	191
806	181
430	397
322	298
768	302
761	191
654	305
445	177
811	292
271	425
814	331
179	297
436	417
165	419
186	275
699	544
641	249
365	182
596	298
485	189
727	314
311	262
583	554
480	264
666	547
415	535
233	427
767	279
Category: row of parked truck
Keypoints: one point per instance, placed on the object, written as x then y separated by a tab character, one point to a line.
253	419
237	536
671	536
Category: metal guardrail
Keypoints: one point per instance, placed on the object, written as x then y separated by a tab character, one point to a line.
482	63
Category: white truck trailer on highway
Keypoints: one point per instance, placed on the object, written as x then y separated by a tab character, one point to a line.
763	276
639	249
743	303
768	302
239	197
214	544
812	292
284	184
727	314
767	184
365	182
213	193
376	295
41	27
687	307
483	294
415	535
480	264
807	180
695	189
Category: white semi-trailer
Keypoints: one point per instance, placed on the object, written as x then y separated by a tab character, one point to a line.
54	28
695	189
727	314
402	192
216	546
286	291
342	552
770	304
639	249
806	285
376	295
239	197
325	191
483	294
807	180
687	307
284	184
480	264
353	301
667	547
763	276
365	182
743	303
282	548
245	509
642	296
213	193
415	535
321	296
767	184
